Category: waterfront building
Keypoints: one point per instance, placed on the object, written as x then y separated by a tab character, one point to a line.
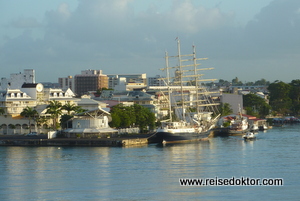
33	95
90	80
13	101
93	123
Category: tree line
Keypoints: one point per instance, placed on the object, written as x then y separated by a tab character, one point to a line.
284	99
132	116
122	117
237	82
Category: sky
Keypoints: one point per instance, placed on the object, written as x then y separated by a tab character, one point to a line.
250	40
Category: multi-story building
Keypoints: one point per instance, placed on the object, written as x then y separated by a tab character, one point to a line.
34	95
90	80
127	81
234	100
16	80
155	81
67	82
13	101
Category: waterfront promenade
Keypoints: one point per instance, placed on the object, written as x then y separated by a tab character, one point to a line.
42	140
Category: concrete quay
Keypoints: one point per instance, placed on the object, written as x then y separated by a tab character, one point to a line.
133	140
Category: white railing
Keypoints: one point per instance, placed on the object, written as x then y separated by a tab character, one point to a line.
128	130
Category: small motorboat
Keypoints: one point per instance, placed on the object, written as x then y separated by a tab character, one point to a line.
249	136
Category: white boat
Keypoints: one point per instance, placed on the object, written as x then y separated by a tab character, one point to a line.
254	128
263	127
188	100
249	136
238	124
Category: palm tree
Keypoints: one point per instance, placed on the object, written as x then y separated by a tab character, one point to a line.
69	107
55	110
225	109
2	111
40	121
30	113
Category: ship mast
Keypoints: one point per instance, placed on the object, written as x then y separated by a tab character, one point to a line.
181	80
196	79
168	85
186	73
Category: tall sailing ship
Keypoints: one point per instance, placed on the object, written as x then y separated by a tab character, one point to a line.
192	112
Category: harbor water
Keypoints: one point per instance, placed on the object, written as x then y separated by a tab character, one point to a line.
152	172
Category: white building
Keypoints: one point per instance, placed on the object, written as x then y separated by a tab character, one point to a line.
34	95
128	82
155	81
87	103
91	124
16	80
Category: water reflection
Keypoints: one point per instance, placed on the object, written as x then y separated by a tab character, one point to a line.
151	172
50	169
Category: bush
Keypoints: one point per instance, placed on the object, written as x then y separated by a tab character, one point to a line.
226	124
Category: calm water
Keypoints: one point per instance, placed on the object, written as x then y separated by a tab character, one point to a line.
152	172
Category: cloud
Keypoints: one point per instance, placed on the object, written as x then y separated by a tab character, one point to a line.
115	37
25	23
275	30
186	17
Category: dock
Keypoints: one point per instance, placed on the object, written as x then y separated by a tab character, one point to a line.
134	140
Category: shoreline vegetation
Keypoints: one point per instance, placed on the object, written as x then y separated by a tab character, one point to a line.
281	99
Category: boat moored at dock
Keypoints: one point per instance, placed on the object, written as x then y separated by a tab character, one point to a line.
192	112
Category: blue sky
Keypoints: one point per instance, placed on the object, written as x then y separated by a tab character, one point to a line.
245	39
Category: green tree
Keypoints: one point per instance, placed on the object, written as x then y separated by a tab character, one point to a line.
116	120
225	109
121	117
256	106
2	111
40	121
295	96
144	117
69	107
236	82
64	120
55	110
262	81
132	116
30	113
280	100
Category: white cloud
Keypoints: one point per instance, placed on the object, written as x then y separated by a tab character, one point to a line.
185	17
63	9
114	37
275	30
25	23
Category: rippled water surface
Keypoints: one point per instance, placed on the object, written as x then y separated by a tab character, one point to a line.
152	172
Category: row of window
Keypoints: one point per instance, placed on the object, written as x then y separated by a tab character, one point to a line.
13	95
59	94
